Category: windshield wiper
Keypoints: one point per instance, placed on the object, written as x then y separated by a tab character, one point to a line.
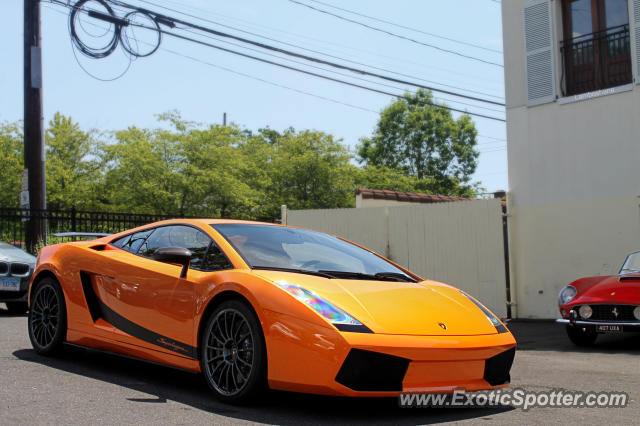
397	275
294	270
380	276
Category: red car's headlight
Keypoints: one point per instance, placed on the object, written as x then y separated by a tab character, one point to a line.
567	294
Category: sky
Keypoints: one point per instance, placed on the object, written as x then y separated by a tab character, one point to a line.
203	83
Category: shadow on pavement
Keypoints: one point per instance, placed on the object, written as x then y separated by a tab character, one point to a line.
163	384
549	336
5	313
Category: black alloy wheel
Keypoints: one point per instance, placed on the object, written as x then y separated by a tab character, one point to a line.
47	317
233	357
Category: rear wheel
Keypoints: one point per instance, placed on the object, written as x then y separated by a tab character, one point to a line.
233	354
47	317
17	308
582	336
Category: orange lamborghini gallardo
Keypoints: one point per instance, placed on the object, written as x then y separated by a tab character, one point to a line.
256	305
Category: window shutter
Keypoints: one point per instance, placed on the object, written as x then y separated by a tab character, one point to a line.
635	35
538	36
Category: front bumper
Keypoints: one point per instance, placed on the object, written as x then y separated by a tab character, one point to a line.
582	323
309	358
17	296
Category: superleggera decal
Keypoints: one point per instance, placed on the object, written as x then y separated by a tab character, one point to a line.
99	309
145	334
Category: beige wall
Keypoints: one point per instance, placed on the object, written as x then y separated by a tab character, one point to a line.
460	243
574	181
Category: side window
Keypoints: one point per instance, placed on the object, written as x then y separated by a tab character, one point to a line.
178	236
216	259
132	243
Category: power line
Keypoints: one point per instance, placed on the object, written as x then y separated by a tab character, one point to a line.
332	43
305	57
373	18
353	21
494	138
204	29
282	86
337	72
382	92
317	52
242	74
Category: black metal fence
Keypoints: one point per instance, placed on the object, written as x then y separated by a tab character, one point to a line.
13	220
596	61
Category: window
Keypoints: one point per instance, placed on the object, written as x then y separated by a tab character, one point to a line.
178	236
596	46
216	260
269	246
132	242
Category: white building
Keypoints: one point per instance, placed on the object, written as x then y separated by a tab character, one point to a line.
573	130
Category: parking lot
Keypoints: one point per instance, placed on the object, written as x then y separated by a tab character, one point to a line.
85	387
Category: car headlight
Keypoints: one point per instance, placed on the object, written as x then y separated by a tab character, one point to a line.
585	311
490	315
636	313
567	294
336	316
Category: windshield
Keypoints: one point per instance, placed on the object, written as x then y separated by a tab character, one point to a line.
280	248
631	264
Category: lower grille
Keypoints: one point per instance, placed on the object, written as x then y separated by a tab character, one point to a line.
497	368
372	371
612	313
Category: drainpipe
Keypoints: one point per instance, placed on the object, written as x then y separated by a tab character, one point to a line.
512	300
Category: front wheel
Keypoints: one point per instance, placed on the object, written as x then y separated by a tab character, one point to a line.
582	336
233	355
47	317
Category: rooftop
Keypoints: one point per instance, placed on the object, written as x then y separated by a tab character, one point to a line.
383	194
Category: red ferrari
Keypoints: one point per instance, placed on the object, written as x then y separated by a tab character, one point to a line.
602	305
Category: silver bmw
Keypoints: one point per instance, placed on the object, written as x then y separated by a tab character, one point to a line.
16	267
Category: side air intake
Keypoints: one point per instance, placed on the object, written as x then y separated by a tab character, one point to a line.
496	369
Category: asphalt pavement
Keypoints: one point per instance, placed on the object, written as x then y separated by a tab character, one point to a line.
88	387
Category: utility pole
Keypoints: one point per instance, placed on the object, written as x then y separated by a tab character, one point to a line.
34	155
224	119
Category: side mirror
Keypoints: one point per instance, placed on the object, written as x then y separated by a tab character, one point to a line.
179	255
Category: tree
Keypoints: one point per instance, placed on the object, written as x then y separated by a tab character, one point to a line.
186	170
72	168
383	177
11	163
308	170
419	138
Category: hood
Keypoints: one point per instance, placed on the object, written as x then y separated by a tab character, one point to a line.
9	253
611	289
397	307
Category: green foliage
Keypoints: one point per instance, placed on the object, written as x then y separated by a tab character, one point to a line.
418	138
220	171
11	163
184	168
308	170
71	168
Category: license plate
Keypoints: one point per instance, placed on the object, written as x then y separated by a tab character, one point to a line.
10	284
609	329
